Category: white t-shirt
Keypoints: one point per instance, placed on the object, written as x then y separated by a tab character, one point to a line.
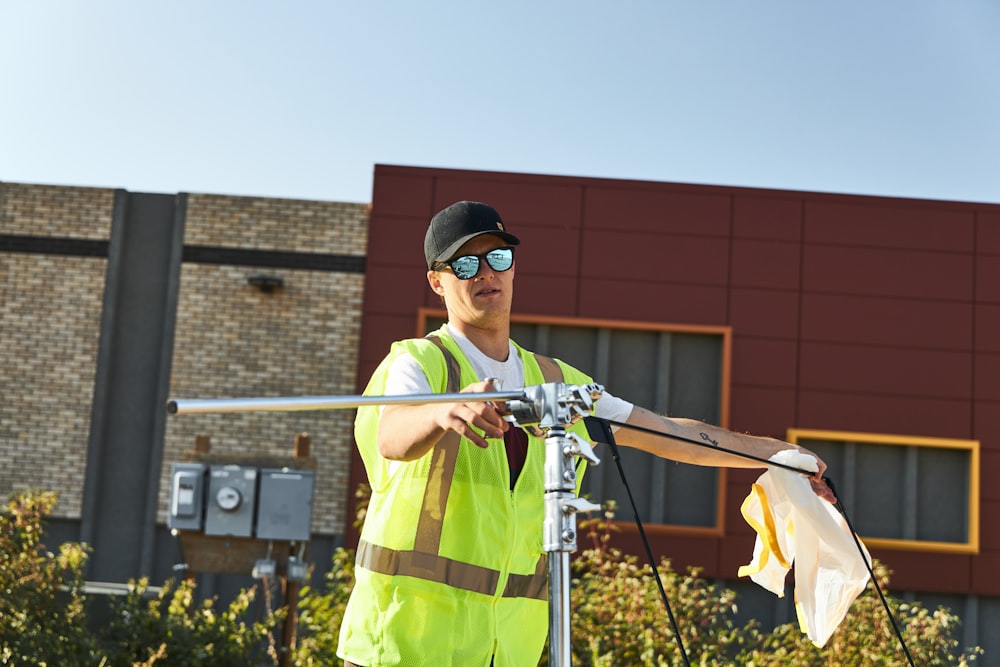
407	377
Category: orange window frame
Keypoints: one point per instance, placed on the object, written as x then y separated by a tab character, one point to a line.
726	334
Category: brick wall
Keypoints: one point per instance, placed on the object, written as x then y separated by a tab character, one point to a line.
234	340
55	211
50	312
230	338
277	224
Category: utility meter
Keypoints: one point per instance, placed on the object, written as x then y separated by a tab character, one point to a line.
232	490
228	498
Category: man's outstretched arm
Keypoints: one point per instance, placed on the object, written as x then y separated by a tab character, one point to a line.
715	440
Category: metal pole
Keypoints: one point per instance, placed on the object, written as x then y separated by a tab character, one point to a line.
560	645
192	406
560	406
559	485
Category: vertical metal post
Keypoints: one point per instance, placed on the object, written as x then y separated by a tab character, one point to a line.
560	646
561	506
560	482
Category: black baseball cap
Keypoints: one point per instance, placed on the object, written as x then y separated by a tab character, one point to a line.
451	227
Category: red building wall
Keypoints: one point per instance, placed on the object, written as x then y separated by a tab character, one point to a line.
848	313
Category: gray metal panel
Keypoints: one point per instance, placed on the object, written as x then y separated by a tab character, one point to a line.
171	293
879	491
679	374
284	505
696	375
988	617
634	371
662	491
899	492
942	505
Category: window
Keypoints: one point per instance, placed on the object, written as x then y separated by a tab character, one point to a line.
904	492
678	370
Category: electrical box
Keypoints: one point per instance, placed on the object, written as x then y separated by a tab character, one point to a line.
230	503
284	504
187	494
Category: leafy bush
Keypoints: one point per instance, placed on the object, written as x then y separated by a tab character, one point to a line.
42	614
321	613
617	616
619	619
171	629
43	610
867	637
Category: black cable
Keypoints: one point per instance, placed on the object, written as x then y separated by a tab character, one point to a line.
604	431
861	550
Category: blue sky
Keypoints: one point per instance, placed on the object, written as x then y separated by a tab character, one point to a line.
302	98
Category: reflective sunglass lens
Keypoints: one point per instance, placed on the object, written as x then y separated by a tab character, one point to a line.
500	259
465	267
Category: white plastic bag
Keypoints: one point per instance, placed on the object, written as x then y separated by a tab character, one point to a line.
795	526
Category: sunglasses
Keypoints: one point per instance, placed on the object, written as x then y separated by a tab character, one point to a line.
467	266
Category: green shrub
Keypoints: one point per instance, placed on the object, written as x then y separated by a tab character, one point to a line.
618	619
617	616
172	630
866	636
321	613
43	610
42	606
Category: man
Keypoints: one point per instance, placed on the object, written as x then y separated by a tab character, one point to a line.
450	568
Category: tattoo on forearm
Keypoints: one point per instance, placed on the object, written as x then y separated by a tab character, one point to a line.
707	438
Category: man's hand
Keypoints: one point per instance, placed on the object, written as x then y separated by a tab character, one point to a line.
816	481
462	417
407	432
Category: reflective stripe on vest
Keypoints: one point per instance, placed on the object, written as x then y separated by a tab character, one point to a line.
423	560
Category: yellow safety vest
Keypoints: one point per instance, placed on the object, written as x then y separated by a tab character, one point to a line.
450	567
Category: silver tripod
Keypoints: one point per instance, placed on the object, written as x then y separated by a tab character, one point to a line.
546	411
553	407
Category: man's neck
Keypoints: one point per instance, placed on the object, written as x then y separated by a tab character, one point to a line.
494	343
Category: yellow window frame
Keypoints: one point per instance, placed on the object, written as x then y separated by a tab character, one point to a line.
971	545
